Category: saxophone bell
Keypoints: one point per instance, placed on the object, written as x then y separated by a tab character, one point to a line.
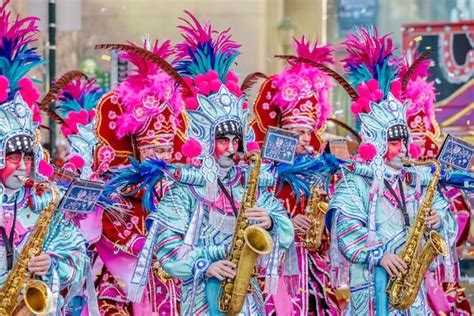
38	297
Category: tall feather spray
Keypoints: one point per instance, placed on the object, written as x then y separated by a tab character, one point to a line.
147	85
370	56
77	103
16	58
202	51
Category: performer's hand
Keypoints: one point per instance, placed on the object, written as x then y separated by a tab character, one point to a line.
260	215
39	265
393	264
221	269
433	220
302	223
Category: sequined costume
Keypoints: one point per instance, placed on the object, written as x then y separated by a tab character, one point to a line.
297	98
21	152
371	213
445	295
141	118
192	227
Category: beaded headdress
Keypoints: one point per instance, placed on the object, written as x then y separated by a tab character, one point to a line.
298	96
19	113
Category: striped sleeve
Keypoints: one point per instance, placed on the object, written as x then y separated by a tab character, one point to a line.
168	245
174	213
67	248
351	217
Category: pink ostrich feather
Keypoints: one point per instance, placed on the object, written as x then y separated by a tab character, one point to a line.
316	53
366	47
143	66
78	87
421	95
299	80
19	33
195	35
145	89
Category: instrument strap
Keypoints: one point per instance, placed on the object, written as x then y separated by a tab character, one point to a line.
8	240
229	196
401	203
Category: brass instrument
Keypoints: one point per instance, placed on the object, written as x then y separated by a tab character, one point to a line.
402	290
315	211
36	295
249	242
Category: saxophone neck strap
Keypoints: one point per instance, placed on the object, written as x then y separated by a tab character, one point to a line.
400	199
229	196
8	240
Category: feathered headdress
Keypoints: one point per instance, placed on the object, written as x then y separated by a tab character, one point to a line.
146	92
298	96
375	72
302	90
19	113
371	67
146	109
214	101
204	60
77	107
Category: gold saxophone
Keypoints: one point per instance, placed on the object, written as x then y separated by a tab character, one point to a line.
36	294
249	242
402	290
315	211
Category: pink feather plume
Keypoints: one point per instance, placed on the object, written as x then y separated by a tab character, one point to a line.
367	47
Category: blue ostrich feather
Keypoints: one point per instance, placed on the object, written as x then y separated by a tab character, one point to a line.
307	171
16	59
205	58
138	176
79	95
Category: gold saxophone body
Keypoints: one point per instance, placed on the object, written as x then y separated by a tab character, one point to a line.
249	242
36	294
316	212
402	290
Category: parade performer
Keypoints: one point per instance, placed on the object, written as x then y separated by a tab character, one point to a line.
192	228
35	235
141	118
445	294
379	218
297	100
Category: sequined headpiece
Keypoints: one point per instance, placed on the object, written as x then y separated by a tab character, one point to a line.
145	111
214	102
298	96
19	113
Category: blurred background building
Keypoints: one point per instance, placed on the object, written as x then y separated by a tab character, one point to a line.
265	28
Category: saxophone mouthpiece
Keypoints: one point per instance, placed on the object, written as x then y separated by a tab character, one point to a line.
407	162
236	158
29	183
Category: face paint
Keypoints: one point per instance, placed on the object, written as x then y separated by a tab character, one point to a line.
225	148
396	151
16	165
304	139
160	152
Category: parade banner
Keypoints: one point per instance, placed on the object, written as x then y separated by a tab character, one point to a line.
452	50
